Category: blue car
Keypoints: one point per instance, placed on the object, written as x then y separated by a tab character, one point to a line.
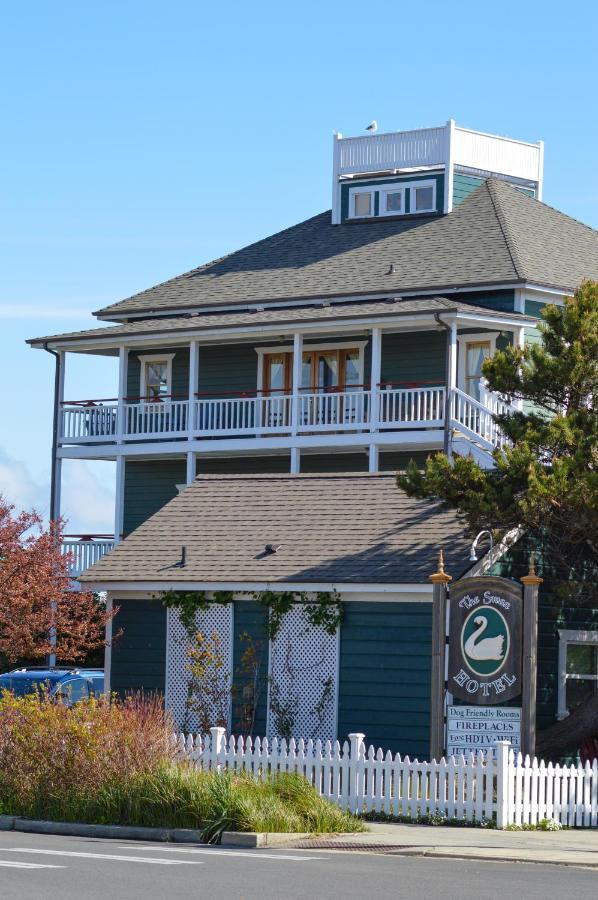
61	684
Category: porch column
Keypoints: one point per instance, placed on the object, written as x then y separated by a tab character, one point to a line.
375	376
123	358
295	460
297	366
519	342
191	466
56	484
193	387
119	500
108	647
451	384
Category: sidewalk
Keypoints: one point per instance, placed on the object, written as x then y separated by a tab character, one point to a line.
570	848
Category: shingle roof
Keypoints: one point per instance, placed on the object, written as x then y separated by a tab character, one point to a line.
207	322
497	235
340	529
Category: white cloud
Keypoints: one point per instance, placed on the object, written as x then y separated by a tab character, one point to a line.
87	493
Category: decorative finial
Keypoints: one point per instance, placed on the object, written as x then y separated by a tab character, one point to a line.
440	577
531	577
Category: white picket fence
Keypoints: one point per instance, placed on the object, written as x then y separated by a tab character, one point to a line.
475	788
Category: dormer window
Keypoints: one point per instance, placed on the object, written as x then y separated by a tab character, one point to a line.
392	202
423	199
398	198
362	204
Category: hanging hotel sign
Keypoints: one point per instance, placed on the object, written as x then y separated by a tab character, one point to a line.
485	624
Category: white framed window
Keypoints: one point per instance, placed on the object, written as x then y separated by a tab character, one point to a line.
578	669
324	366
392	201
395	199
156	376
361	203
423	197
473	350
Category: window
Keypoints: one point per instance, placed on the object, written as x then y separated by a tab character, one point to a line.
324	368
363	203
392	203
398	198
473	350
578	669
156	377
422	199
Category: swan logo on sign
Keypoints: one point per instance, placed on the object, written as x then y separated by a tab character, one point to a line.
485	622
485	641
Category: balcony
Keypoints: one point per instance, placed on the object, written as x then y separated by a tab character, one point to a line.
84	550
386	408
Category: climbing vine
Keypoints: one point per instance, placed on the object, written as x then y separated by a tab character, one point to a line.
320	609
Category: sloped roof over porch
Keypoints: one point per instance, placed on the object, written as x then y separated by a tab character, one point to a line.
343	529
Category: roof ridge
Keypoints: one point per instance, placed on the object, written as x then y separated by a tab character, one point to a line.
280	476
510	243
526	198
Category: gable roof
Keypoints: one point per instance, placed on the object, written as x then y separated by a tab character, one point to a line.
498	235
333	529
352	311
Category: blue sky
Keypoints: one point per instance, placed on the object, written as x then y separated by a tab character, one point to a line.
141	139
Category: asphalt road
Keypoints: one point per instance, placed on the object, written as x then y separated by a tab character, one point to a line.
36	867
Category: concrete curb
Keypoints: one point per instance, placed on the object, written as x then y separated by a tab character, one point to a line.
122	832
256	839
247	840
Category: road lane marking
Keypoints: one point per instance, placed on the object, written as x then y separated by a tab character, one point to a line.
11	864
218	851
77	853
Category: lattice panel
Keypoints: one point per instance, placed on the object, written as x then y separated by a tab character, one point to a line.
216	619
303	680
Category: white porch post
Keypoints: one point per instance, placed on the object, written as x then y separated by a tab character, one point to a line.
108	648
295	460
297	366
123	359
56	487
119	500
191	466
450	388
374	407
519	342
193	386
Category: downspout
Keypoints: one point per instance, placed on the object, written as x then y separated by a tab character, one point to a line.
447	399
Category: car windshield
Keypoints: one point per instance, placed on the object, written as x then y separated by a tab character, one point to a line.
30	685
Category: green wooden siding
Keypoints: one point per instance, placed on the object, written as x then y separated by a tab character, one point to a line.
244	465
139	654
416	357
148	486
398	460
376	182
250	621
502	301
384	675
464	185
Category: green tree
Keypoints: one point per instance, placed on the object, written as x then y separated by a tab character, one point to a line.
546	480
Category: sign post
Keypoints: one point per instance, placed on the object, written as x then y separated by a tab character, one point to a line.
440	580
531	583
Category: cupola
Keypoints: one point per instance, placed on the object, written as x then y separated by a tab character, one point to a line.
425	172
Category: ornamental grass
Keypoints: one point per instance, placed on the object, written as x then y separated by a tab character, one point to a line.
113	763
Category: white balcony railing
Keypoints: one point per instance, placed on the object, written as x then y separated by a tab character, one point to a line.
84	552
351	410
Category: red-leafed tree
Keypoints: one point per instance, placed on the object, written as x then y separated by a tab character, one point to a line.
35	601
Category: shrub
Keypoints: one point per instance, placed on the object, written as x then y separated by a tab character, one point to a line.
114	763
45	746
